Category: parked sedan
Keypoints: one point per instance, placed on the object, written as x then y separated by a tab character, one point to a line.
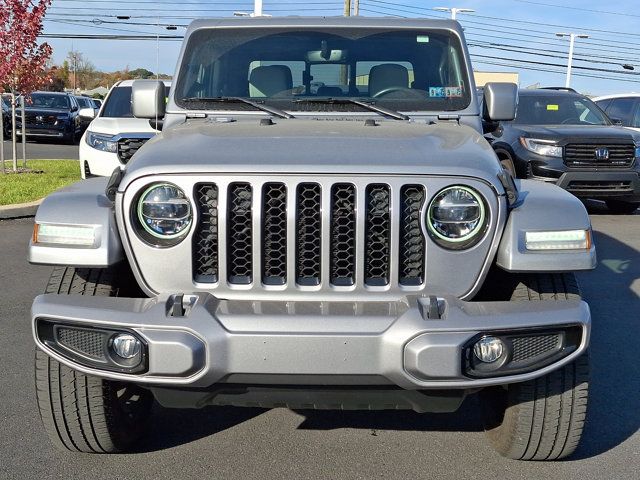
562	137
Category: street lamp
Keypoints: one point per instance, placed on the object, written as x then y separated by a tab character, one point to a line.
572	39
454	11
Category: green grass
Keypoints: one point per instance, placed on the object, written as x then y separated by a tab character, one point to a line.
46	176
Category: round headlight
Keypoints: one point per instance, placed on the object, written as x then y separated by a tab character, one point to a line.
456	217
164	213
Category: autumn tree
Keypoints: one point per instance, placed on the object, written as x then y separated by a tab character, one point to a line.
23	65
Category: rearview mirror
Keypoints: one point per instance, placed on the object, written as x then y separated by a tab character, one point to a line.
87	113
500	101
148	99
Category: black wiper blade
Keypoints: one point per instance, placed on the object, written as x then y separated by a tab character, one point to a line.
368	105
260	106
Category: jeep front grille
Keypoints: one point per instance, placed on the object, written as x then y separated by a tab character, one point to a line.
584	155
127	147
319	232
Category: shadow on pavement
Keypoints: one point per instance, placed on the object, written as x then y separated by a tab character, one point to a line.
614	401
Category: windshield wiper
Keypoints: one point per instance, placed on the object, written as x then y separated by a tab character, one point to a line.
369	106
260	106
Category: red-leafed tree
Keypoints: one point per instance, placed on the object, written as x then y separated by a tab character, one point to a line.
23	65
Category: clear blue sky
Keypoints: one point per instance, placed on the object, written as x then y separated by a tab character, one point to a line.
499	32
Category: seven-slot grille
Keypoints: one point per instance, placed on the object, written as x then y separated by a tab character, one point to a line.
284	225
127	147
584	155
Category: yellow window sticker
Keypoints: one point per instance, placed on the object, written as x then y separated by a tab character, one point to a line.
552	107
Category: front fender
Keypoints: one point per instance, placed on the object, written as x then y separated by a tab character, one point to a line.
544	207
81	204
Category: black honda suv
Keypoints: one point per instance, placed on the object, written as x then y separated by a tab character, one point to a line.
52	115
562	137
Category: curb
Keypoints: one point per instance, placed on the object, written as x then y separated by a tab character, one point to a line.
8	212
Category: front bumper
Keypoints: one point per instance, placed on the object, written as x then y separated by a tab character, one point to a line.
309	343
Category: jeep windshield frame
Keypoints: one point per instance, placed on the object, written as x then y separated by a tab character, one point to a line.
399	69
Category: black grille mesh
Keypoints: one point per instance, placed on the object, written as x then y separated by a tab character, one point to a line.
343	234
276	251
308	233
86	342
205	239
274	234
240	230
584	155
411	236
525	348
377	235
127	147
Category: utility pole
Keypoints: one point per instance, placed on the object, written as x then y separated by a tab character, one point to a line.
454	11
347	8
356	7
572	39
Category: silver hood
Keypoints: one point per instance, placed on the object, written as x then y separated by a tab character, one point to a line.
300	146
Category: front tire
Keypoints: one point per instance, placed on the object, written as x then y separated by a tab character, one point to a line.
80	412
541	419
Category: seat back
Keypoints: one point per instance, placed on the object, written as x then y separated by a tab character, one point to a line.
387	75
266	81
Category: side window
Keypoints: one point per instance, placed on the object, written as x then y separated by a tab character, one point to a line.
622	109
604	104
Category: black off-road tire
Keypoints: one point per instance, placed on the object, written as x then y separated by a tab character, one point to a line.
619	207
82	413
541	419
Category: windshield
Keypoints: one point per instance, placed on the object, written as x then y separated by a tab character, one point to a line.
118	103
43	100
408	70
559	110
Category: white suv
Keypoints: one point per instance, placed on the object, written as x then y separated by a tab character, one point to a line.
115	134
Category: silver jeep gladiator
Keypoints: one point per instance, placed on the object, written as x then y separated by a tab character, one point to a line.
320	225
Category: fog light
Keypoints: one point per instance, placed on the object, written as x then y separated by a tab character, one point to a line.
126	346
489	349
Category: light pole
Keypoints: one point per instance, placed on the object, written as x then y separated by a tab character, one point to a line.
454	11
257	11
572	39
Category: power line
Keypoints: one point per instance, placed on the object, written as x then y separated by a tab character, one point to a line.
578	8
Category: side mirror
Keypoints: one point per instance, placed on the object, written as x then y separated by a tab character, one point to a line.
616	121
148	99
500	101
87	113
74	108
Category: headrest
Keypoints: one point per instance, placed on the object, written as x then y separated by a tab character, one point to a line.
387	75
266	81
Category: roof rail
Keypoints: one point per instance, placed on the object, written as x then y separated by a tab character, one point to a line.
564	89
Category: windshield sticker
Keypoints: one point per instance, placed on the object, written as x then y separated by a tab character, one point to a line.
437	92
422	39
453	92
552	107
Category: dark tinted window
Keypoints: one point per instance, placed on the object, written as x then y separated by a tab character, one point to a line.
118	103
604	104
84	102
623	109
43	100
558	110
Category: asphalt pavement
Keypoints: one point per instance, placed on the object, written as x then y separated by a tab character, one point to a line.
44	149
240	443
